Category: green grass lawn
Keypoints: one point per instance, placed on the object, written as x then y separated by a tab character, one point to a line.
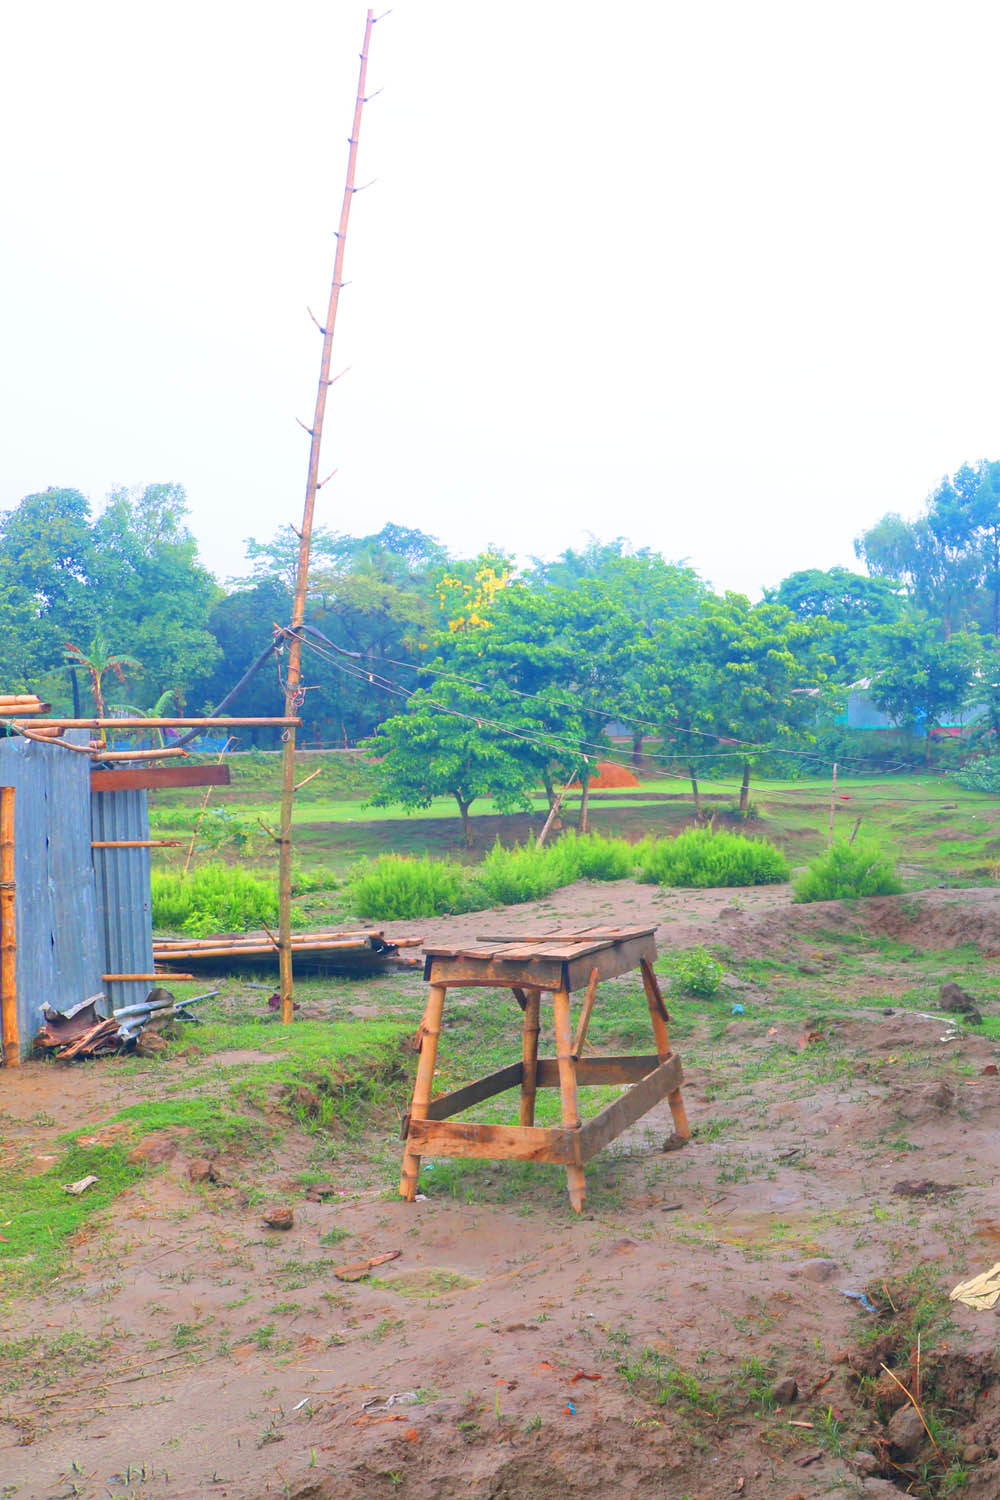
940	833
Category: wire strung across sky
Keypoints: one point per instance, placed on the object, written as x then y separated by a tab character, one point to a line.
550	740
727	744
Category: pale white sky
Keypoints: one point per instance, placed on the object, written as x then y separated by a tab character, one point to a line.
720	277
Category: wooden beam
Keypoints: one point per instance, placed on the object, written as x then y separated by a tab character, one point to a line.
135	843
585	1013
281	722
596	1134
474	1093
147	778
592	1072
125	978
495	1142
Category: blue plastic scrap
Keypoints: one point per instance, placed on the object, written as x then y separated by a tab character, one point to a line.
862	1298
738	1010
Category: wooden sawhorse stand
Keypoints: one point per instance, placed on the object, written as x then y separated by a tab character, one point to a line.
555	963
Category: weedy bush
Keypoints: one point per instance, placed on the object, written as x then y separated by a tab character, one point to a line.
980	775
397	886
214	898
694	972
701	858
847	870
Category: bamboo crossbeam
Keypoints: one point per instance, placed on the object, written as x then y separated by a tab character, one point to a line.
125	978
135	843
21	710
8	934
140	723
136	754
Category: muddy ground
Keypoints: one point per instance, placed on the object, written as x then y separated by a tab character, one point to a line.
514	1351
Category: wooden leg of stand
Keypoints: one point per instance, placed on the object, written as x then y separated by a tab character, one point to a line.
658	1016
529	1058
575	1181
431	1028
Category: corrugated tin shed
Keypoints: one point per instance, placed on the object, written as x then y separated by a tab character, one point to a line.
81	912
59	959
124	906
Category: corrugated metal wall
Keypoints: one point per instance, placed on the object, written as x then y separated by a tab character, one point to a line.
123	902
59	961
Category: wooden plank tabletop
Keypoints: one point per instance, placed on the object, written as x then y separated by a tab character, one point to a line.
562	945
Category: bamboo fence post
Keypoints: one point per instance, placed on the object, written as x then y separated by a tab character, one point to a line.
430	1030
658	1016
833	802
293	672
201	811
575	1181
8	934
529	1057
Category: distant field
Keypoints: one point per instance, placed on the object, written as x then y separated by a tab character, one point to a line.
939	833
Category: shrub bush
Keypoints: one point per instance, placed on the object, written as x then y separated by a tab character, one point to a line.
980	775
396	886
701	858
694	972
213	898
847	870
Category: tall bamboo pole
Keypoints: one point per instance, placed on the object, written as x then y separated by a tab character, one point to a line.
8	933
293	675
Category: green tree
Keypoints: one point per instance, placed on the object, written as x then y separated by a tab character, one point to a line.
435	751
849	600
98	660
921	679
948	558
372	596
151	590
749	675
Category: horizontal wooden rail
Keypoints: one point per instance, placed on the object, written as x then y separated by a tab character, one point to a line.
135	843
125	978
137	723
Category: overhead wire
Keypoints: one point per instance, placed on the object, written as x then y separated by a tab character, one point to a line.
549	740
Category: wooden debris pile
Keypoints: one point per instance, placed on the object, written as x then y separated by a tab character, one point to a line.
81	1032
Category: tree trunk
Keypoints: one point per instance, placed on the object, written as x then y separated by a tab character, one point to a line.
76	693
550	791
695	793
745	788
463	808
582	824
637	749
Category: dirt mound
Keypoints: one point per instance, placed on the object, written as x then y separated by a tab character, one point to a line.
611	775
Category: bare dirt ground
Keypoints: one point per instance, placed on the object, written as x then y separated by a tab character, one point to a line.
514	1351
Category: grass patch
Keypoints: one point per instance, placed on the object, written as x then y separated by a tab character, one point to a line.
701	858
222	898
848	870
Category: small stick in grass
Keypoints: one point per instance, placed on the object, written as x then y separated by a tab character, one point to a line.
916	1407
891	1303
